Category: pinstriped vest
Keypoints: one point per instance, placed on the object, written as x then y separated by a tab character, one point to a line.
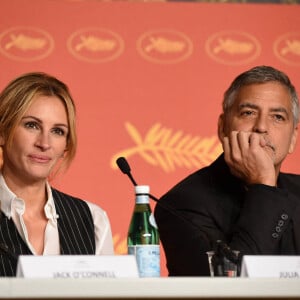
75	228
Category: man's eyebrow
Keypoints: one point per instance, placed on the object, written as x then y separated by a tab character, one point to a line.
248	104
254	106
279	109
282	110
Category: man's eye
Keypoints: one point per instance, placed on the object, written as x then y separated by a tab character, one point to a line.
247	113
279	117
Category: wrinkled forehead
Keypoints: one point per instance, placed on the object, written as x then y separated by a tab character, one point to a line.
270	95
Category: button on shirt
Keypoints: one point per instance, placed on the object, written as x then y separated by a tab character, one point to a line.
14	207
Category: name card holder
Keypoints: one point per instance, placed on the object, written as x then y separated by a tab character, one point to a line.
77	266
271	266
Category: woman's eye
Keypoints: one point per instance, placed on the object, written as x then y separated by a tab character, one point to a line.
59	131
32	125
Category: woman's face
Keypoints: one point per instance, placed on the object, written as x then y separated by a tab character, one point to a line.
39	141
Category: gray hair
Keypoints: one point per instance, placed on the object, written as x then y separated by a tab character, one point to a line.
261	74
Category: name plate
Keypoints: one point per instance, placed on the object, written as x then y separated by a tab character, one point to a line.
77	266
272	266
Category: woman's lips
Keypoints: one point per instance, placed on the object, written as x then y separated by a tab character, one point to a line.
39	158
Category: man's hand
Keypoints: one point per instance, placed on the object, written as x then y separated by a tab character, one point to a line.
250	157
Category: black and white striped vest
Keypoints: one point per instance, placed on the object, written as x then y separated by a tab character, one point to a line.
75	228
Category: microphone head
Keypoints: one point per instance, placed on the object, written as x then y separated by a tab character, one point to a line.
123	165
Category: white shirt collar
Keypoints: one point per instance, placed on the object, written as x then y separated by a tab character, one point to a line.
9	200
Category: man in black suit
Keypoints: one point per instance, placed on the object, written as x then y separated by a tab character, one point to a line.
242	198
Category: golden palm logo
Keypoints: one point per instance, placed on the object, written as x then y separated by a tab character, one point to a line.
287	48
168	149
26	43
95	45
232	47
292	46
164	46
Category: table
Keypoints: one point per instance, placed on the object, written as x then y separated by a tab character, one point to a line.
150	288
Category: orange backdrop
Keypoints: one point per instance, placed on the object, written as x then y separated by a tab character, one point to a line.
148	80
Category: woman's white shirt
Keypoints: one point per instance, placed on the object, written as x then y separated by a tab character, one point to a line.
14	207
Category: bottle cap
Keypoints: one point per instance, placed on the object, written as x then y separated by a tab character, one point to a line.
142	189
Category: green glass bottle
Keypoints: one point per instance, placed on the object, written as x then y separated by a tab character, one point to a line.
143	237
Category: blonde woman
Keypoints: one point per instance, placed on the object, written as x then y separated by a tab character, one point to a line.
38	138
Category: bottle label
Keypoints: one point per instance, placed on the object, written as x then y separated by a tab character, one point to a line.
147	258
142	199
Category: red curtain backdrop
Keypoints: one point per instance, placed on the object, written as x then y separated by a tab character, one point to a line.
148	81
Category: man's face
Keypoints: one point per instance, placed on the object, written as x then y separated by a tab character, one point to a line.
265	109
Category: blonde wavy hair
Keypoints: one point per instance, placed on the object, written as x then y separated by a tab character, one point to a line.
18	95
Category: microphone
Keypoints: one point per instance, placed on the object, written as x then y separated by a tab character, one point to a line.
222	249
125	168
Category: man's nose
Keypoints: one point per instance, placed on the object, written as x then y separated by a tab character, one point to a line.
261	125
